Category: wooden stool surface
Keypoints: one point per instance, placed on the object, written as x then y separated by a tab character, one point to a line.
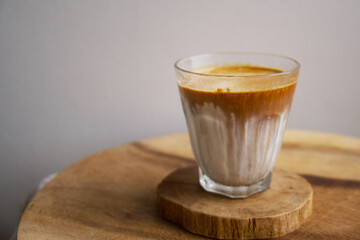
112	194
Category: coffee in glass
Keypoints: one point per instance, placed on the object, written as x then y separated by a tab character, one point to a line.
236	107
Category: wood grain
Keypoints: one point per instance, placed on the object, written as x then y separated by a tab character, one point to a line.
112	194
270	214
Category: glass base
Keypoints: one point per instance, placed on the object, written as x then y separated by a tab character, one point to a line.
233	191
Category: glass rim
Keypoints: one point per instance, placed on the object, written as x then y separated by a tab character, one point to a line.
295	69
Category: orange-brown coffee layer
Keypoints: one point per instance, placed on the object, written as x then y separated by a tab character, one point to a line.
243	104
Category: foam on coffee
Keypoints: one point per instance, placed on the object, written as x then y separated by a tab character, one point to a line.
238	70
235	78
224	115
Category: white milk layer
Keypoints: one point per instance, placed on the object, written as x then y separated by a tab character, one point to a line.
242	154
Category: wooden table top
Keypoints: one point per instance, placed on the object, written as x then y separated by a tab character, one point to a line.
112	194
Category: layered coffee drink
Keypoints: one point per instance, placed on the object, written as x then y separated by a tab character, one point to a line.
236	116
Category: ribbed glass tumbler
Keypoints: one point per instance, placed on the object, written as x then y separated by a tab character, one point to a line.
236	117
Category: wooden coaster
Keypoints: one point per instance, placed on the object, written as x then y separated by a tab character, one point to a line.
270	214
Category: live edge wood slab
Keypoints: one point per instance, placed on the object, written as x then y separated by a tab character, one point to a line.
270	214
112	194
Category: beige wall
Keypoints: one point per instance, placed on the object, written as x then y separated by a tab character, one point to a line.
80	76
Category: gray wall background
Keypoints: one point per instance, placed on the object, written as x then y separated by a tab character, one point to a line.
80	76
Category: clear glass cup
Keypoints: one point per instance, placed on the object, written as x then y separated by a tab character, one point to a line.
236	122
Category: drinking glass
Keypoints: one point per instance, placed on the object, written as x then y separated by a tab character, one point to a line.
236	121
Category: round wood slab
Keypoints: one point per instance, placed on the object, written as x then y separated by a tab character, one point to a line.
273	213
112	194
